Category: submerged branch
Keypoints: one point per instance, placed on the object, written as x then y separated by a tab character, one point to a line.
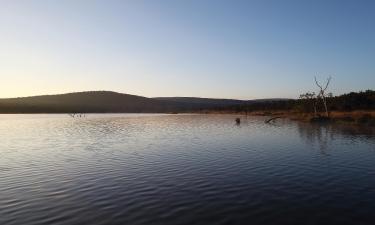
273	118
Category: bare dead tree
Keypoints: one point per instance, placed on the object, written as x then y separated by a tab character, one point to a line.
322	95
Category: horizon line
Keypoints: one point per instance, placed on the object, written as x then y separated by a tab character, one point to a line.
200	97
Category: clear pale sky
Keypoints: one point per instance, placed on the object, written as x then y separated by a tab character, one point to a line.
224	49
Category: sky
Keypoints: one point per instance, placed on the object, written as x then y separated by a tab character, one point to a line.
220	49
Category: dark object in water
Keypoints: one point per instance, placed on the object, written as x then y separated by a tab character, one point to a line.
273	118
320	119
238	120
74	115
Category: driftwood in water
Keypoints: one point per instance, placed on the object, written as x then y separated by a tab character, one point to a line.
74	115
273	118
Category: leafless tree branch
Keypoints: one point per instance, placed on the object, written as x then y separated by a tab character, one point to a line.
322	94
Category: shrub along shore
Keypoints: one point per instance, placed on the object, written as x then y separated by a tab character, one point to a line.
352	108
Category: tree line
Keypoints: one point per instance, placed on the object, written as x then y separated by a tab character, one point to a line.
307	103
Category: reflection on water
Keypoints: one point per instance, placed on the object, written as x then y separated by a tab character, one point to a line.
183	169
324	134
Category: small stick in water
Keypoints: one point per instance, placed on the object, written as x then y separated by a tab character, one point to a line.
273	118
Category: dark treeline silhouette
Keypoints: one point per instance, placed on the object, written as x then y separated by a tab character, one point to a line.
251	106
112	102
353	101
363	100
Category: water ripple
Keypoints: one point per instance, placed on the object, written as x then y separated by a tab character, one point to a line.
183	169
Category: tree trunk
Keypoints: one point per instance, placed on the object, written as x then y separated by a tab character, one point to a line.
325	105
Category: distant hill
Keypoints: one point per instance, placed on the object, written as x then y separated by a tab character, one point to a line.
113	102
107	102
84	102
269	100
201	101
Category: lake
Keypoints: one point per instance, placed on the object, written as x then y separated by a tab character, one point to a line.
183	169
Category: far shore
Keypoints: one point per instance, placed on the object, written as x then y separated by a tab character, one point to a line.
359	117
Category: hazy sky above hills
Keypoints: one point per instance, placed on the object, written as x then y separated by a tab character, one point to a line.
227	49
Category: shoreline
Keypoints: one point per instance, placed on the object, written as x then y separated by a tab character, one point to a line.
356	117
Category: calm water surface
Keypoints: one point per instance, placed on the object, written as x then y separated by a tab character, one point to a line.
183	169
